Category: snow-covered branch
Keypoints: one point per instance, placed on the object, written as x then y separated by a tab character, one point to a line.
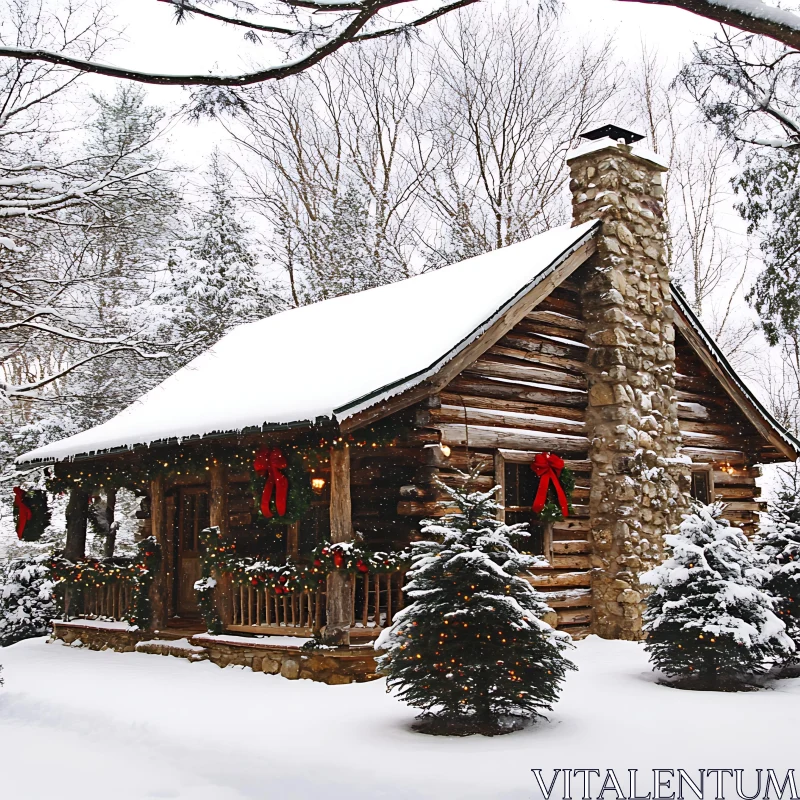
353	24
752	16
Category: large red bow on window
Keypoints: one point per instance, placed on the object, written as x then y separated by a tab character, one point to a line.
24	512
270	462
548	467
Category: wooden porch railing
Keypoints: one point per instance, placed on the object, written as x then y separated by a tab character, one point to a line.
112	602
376	599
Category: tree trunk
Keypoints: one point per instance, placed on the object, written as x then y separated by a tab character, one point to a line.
111	536
339	607
77	517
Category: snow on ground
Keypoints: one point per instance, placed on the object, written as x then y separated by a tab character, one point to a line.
81	724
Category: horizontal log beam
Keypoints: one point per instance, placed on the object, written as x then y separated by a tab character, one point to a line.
493	438
513	406
556	319
526	372
475	384
502	419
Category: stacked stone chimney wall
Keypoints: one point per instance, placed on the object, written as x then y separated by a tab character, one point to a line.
638	486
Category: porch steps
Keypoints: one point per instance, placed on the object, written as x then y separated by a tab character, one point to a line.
180	648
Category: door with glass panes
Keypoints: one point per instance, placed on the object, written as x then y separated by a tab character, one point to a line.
193	517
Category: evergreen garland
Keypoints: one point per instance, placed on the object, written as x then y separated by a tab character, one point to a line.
91	573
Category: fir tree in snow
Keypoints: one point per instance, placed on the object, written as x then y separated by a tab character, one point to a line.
709	622
26	599
472	649
214	283
779	547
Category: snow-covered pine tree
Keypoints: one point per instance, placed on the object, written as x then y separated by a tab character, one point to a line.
709	623
26	599
472	650
213	283
779	548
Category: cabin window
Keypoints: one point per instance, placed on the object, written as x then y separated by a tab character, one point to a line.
315	527
520	488
701	489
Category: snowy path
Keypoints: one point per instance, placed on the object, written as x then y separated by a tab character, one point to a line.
81	724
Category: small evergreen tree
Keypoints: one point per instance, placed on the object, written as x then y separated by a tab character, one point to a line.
779	547
709	623
471	649
26	599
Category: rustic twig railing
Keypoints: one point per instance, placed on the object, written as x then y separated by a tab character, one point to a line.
376	599
112	601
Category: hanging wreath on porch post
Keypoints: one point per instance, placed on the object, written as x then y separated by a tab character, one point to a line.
552	500
31	513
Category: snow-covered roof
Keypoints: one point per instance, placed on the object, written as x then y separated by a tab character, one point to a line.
331	359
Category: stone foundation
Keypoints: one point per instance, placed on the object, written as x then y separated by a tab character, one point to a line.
355	664
638	484
335	666
98	636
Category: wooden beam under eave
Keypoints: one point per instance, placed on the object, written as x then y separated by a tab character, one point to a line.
461	360
742	401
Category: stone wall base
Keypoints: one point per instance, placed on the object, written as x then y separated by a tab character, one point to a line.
348	665
98	637
355	664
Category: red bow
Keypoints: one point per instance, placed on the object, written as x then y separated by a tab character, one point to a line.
270	462
548	467
25	514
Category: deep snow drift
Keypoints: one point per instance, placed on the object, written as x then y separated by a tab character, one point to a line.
82	724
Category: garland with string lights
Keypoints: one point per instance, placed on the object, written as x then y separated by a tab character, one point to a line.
91	573
219	557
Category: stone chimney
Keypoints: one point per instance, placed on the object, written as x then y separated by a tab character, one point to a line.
638	487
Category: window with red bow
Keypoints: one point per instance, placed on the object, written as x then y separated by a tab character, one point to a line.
520	490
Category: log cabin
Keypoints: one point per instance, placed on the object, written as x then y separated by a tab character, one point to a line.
573	342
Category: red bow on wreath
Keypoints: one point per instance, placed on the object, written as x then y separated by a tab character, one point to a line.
548	467
24	511
270	462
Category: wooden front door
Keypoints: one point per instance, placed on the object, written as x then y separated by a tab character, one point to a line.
193	518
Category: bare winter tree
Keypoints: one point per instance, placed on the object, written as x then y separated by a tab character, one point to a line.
512	94
306	31
709	262
333	163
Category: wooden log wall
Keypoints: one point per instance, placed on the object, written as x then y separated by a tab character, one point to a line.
528	394
716	433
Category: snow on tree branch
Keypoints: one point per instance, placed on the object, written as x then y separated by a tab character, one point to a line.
753	16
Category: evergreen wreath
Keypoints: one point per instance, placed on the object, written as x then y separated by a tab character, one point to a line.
34	526
551	512
298	499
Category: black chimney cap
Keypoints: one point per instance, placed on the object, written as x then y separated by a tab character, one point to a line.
612	132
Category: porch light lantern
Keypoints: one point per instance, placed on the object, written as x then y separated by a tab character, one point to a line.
318	484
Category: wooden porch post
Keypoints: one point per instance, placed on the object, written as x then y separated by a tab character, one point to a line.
218	516
339	607
77	517
159	589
